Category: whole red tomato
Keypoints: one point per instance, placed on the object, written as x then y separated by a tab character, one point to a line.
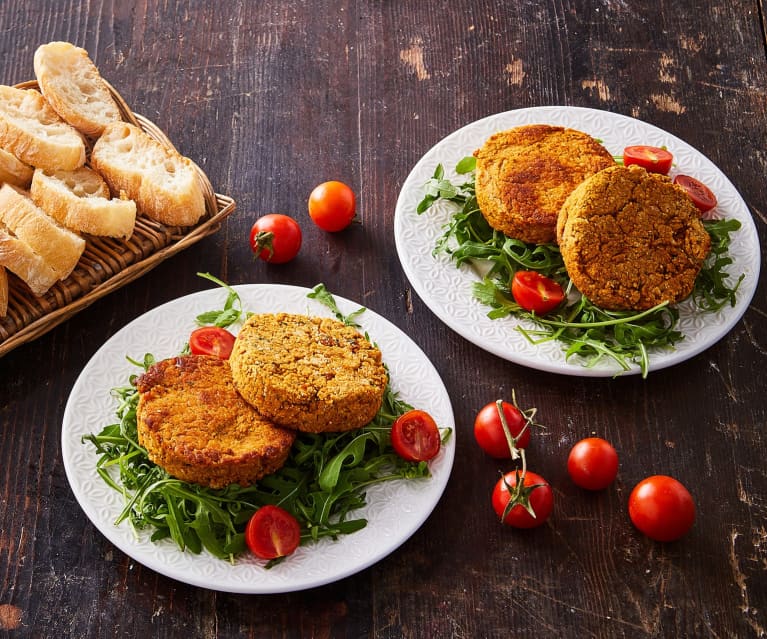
662	508
275	238
489	433
593	463
535	493
332	206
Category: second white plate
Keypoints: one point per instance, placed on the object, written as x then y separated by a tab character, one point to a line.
447	290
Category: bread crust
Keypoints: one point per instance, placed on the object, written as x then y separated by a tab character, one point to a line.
81	201
19	258
631	239
3	292
59	247
14	171
524	175
74	87
32	131
309	373
164	184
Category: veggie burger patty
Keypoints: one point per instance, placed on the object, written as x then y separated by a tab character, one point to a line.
524	175
309	373
631	239
195	425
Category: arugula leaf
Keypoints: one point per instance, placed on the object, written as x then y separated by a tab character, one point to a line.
322	295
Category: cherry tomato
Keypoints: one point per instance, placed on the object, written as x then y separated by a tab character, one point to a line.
593	463
535	292
211	340
332	206
699	193
536	491
488	429
652	158
415	436
662	508
275	238
272	532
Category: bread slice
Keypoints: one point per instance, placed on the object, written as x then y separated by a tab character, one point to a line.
59	247
3	292
14	171
32	131
81	201
164	184
74	87
18	256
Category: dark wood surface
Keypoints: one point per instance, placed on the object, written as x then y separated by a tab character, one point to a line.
273	97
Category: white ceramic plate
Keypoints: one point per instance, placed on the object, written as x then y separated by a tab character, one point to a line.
447	290
395	510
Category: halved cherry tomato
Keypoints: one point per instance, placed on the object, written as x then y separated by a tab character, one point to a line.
535	292
488	429
652	158
535	491
211	340
415	436
272	532
662	508
593	463
332	206
699	193
275	238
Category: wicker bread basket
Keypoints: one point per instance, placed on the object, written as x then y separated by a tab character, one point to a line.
107	263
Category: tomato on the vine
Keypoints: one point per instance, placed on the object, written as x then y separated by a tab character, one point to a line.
535	492
651	158
332	206
489	433
275	238
535	292
701	196
211	340
662	508
415	436
593	463
272	532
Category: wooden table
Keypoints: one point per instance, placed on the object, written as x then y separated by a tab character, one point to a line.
271	98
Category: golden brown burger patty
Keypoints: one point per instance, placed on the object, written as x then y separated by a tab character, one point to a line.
194	424
631	239
525	174
309	373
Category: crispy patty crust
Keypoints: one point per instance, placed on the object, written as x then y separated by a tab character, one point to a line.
309	373
195	425
524	175
631	239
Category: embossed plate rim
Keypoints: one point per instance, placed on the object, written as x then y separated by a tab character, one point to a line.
446	290
395	510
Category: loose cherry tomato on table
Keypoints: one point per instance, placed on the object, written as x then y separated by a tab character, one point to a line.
272	532
275	238
415	436
593	463
699	193
535	492
332	206
662	508
535	292
651	158
211	340
489	433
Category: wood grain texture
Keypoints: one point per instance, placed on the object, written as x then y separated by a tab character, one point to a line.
273	97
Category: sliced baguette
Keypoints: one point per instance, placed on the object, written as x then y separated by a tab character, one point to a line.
14	171
18	256
81	201
163	183
3	292
74	87
32	131
59	247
